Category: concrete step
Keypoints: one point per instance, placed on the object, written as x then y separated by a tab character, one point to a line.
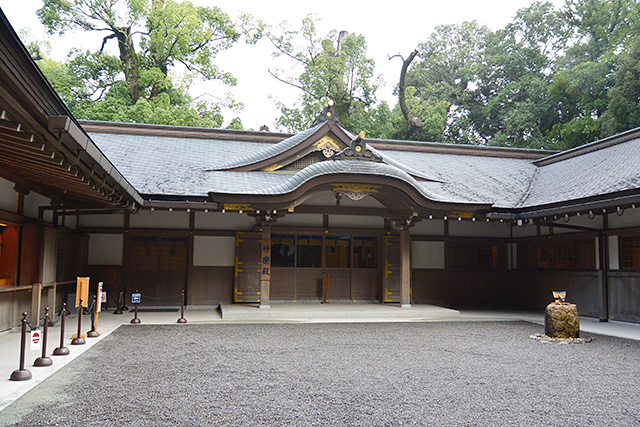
335	312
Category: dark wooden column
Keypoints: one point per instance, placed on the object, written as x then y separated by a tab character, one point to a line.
265	275
405	268
603	277
192	226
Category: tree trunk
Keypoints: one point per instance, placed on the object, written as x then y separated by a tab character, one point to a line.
409	123
130	60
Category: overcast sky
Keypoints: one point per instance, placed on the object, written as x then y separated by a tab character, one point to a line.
389	28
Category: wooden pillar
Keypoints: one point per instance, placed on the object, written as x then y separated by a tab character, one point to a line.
265	274
405	268
126	250
36	289
447	284
36	303
192	226
603	277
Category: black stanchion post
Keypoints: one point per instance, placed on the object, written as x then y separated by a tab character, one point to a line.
22	374
43	360
135	300
119	304
182	319
62	350
94	314
78	340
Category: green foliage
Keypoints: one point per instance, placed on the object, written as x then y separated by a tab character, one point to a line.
623	112
550	78
140	84
344	76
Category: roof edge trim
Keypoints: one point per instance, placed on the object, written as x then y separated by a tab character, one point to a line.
589	148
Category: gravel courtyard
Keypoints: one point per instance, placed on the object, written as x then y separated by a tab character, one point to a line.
444	374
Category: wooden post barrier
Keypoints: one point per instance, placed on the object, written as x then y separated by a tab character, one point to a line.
62	350
119	304
182	319
43	360
78	339
22	374
93	333
325	287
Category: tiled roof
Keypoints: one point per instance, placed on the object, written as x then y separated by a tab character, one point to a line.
270	150
611	169
158	165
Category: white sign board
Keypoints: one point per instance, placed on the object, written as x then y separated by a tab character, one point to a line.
135	298
36	340
103	298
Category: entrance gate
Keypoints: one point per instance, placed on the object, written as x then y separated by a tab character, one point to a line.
391	281
247	268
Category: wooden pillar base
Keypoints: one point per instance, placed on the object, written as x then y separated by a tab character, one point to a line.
405	305
264	307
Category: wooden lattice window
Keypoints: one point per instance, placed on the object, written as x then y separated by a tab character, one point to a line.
338	252
584	254
629	252
364	252
308	160
309	251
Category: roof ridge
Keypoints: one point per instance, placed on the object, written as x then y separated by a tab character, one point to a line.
590	147
526	194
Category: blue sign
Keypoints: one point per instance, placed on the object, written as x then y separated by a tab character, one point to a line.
135	298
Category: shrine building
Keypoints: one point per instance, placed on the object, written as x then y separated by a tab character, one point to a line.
251	217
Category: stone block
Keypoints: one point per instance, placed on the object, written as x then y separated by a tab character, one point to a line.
561	321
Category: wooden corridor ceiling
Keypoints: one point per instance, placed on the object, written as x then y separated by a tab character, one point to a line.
42	148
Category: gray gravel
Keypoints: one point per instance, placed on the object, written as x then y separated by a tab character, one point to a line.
451	374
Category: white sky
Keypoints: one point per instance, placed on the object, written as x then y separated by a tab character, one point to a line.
389	28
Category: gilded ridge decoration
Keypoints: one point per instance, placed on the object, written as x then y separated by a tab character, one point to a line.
356	188
237	207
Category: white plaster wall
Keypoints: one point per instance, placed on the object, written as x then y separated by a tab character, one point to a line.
300	220
614	258
466	228
630	218
8	196
354	221
71	222
214	251
428	227
48	274
105	249
226	221
32	202
160	219
528	231
116	221
427	255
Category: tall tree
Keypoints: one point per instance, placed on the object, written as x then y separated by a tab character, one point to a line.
153	37
334	67
623	112
601	30
438	84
